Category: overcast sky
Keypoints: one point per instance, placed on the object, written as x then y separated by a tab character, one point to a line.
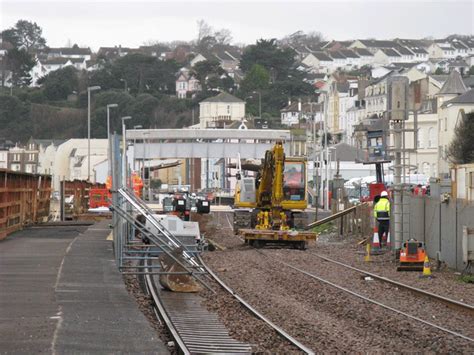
109	23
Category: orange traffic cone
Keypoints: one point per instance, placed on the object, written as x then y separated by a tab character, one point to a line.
376	241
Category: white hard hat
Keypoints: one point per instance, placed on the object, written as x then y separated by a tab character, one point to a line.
384	194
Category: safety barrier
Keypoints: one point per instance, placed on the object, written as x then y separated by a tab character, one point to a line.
24	199
77	195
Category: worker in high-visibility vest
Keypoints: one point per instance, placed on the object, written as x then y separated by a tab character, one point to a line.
382	214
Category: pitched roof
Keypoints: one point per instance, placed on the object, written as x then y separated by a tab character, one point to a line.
322	56
458	45
363	52
348	53
337	55
377	43
466	98
390	52
223	97
403	50
453	85
71	51
412	43
55	61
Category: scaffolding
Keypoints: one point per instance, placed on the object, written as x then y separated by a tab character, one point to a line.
132	217
397	113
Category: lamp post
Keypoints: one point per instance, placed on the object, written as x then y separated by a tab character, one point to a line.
109	154
124	151
146	182
134	143
89	89
259	103
125	84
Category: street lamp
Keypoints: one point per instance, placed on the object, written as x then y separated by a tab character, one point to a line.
124	152
89	89
259	103
109	155
134	143
125	84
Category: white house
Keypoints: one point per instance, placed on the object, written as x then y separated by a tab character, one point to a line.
186	83
452	98
220	111
365	56
198	58
320	61
386	56
296	111
73	52
441	50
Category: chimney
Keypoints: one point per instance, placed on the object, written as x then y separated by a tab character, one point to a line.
289	101
299	105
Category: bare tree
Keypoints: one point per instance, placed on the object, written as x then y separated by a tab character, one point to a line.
204	30
223	36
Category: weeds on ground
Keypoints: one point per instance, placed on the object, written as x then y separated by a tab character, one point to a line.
469	279
324	228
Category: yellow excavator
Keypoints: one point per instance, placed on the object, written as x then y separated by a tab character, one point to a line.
268	208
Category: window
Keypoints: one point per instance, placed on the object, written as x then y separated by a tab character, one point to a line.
228	109
31	157
431	137
420	140
445	123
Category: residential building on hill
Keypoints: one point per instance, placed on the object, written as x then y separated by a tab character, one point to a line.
186	84
452	98
220	111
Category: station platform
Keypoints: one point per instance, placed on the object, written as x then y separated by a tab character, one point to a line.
60	292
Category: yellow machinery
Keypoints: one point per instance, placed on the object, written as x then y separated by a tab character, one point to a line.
268	208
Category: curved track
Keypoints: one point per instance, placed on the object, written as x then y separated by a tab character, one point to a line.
181	314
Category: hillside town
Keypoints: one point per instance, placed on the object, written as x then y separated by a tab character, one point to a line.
236	177
349	90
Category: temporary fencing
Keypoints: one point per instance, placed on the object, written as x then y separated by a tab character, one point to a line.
24	199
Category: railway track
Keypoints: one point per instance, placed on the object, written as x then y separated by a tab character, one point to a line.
195	330
452	303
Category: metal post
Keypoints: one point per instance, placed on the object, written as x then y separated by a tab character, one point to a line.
109	152
397	180
124	152
88	134
326	192
89	89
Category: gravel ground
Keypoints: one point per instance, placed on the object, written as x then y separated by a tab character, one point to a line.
324	318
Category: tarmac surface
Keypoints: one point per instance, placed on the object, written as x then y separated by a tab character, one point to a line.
61	292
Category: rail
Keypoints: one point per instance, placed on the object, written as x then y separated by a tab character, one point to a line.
448	301
257	313
367	299
193	328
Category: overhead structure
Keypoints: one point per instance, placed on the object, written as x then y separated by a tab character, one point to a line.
205	143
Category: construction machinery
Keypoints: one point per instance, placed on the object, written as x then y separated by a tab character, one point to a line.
412	256
269	207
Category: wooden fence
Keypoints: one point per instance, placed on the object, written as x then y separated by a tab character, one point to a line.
24	199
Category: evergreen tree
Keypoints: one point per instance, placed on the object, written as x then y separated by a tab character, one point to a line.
461	149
